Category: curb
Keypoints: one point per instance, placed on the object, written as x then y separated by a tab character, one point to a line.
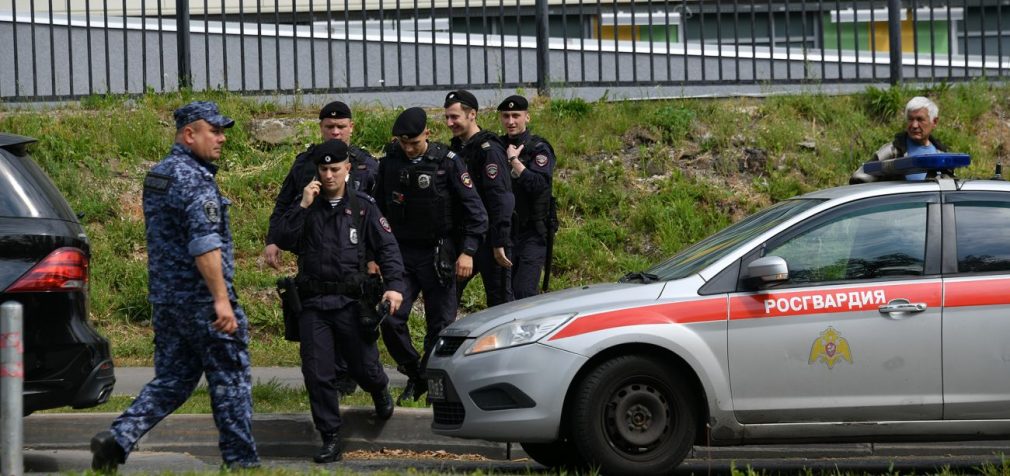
292	435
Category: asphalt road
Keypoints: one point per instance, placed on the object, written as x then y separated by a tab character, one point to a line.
61	461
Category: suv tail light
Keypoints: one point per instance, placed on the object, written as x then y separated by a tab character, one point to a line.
65	269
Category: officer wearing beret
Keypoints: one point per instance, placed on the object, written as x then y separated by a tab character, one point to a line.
334	123
198	326
531	166
428	196
331	229
484	155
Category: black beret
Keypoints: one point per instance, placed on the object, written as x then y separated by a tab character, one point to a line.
335	110
410	123
332	151
463	97
514	102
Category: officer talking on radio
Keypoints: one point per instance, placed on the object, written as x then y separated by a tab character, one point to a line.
332	229
531	166
438	219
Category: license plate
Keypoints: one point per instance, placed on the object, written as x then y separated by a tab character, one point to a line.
436	388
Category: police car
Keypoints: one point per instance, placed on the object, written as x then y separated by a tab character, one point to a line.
868	312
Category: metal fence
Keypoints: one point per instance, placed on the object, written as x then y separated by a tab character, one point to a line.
63	49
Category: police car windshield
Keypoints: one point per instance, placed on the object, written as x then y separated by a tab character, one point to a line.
695	258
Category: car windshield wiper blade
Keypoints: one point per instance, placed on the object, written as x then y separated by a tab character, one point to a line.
640	276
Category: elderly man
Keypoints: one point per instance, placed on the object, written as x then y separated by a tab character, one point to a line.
921	117
199	327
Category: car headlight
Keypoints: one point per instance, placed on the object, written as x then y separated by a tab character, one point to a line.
517	332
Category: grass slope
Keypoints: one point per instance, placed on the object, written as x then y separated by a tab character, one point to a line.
636	181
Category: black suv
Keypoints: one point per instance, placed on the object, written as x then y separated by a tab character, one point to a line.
44	257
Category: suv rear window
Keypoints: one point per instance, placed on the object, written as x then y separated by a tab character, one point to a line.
26	191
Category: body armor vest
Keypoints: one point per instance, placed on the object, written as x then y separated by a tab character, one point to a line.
419	205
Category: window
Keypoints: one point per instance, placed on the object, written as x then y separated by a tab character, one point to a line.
983	236
885	240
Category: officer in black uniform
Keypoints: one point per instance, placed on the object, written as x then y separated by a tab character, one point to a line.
531	161
331	229
485	159
334	123
437	217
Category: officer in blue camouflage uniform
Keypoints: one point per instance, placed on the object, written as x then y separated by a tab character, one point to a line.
332	229
335	122
426	193
484	155
198	326
531	161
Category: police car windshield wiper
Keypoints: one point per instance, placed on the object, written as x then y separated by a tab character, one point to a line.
640	276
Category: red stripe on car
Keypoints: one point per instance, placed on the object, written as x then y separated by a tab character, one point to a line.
670	313
825	301
981	292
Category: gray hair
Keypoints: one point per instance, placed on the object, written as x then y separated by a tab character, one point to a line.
920	102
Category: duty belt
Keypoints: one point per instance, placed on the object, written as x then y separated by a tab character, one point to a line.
316	288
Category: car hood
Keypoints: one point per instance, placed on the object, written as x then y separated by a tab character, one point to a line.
584	299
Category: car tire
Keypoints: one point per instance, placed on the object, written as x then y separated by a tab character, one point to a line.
556	454
633	415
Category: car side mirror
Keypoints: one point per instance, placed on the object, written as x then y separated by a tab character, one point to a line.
768	270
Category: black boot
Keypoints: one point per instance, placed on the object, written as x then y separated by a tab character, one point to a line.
332	449
383	404
106	454
416	385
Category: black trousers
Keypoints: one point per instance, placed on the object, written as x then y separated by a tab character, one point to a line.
326	334
440	306
497	280
529	253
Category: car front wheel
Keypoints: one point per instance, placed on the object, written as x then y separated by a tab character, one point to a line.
632	415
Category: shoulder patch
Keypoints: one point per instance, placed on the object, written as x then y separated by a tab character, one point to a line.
157	183
491	170
210	208
467	181
385	224
485	145
542	160
450	154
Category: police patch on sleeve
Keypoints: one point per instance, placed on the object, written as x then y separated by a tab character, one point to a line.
385	225
542	160
157	183
465	178
491	170
210	208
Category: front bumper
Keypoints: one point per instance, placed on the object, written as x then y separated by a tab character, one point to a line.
514	394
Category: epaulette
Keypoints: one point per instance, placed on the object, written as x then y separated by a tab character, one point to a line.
486	145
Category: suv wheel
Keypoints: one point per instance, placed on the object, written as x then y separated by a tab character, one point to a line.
631	416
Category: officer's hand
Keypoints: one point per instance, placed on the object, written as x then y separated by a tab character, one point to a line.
513	153
272	256
464	266
310	193
394	298
499	256
225	321
373	268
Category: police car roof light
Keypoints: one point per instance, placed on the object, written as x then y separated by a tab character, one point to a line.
916	164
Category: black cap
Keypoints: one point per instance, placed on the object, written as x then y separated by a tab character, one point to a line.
514	102
335	110
410	123
463	97
332	151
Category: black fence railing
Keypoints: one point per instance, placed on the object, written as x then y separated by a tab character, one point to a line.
60	49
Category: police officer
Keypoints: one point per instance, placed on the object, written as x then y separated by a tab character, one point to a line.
437	217
198	326
531	160
331	230
485	159
335	122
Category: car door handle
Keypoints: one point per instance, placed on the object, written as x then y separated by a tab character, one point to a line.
902	305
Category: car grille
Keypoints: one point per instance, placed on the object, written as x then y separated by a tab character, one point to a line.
448	413
448	345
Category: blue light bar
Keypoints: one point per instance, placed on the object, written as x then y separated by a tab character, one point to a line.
916	164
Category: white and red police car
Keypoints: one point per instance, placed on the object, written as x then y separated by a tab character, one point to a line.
868	312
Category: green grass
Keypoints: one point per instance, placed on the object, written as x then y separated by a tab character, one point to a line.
636	181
